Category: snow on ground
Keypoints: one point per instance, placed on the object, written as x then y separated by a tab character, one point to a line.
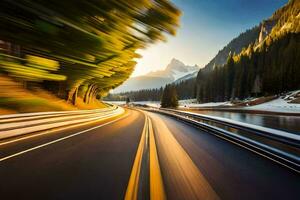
178	74
189	103
277	105
148	103
155	104
280	104
194	104
115	102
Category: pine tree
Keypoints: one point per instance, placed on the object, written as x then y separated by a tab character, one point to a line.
173	97
169	97
256	86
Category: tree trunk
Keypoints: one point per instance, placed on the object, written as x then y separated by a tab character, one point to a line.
95	94
74	99
92	94
72	95
87	94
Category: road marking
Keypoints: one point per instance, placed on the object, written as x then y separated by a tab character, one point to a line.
55	130
60	139
133	183
157	191
41	127
181	169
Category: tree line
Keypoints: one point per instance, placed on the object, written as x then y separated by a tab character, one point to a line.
271	69
184	90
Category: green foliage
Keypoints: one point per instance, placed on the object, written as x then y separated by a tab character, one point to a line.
186	89
94	41
169	97
32	68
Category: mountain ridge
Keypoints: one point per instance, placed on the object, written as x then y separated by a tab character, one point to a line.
268	66
156	79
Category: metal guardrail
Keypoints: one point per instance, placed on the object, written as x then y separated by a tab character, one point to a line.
21	124
277	135
279	146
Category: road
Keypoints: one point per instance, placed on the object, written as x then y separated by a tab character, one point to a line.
121	157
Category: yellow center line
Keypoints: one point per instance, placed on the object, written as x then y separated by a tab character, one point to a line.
157	191
133	184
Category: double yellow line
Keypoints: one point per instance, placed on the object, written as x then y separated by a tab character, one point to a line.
156	187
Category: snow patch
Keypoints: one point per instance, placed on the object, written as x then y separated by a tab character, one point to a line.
155	104
178	74
115	102
277	105
194	104
280	104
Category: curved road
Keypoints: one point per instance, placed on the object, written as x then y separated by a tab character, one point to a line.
104	160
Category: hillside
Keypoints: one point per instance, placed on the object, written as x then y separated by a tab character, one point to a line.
269	66
235	46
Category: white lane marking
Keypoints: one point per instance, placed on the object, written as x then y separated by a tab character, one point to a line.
54	130
21	124
18	115
19	119
31	129
60	139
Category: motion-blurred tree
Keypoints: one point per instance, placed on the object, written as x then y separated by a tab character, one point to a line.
94	41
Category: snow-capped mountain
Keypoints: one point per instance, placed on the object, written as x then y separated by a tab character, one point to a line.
156	79
186	77
174	70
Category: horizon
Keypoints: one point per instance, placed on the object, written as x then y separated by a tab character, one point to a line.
197	45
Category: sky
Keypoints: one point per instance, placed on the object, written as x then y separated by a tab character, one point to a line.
206	27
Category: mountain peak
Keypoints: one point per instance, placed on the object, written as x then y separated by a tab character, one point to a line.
175	64
174	60
156	79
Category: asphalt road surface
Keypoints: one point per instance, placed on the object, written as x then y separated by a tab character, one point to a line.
104	160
